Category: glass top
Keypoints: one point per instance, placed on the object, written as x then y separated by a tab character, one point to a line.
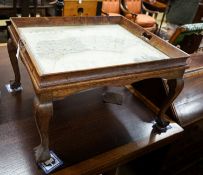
73	48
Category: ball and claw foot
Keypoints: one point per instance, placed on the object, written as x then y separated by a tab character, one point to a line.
14	85
41	154
161	125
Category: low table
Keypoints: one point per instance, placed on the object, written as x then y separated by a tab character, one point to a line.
66	55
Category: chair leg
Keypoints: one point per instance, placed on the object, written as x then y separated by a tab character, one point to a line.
162	20
155	15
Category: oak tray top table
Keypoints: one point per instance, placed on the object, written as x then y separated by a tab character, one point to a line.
65	55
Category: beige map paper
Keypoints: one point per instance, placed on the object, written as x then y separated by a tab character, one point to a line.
73	48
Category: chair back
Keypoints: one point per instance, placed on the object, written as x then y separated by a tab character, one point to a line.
111	6
134	6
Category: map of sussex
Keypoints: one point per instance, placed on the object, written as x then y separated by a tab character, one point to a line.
72	48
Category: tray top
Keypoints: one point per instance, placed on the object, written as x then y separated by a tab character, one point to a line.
59	49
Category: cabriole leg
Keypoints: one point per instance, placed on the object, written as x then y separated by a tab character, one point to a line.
175	87
43	114
14	62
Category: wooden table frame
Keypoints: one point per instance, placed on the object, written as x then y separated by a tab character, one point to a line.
56	86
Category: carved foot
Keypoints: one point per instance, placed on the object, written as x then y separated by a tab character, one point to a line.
41	154
161	125
14	85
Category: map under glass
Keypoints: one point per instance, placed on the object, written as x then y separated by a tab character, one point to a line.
73	48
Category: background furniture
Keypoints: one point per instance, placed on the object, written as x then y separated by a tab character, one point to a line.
13	7
111	8
155	6
199	15
24	8
188	37
82	8
159	7
133	11
182	11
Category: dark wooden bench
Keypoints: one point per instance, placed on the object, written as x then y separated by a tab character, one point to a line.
11	8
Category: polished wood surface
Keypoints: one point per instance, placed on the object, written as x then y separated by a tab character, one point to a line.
16	121
85	131
182	157
50	87
188	105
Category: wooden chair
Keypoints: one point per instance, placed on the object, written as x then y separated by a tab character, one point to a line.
188	37
110	7
158	6
132	10
155	6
